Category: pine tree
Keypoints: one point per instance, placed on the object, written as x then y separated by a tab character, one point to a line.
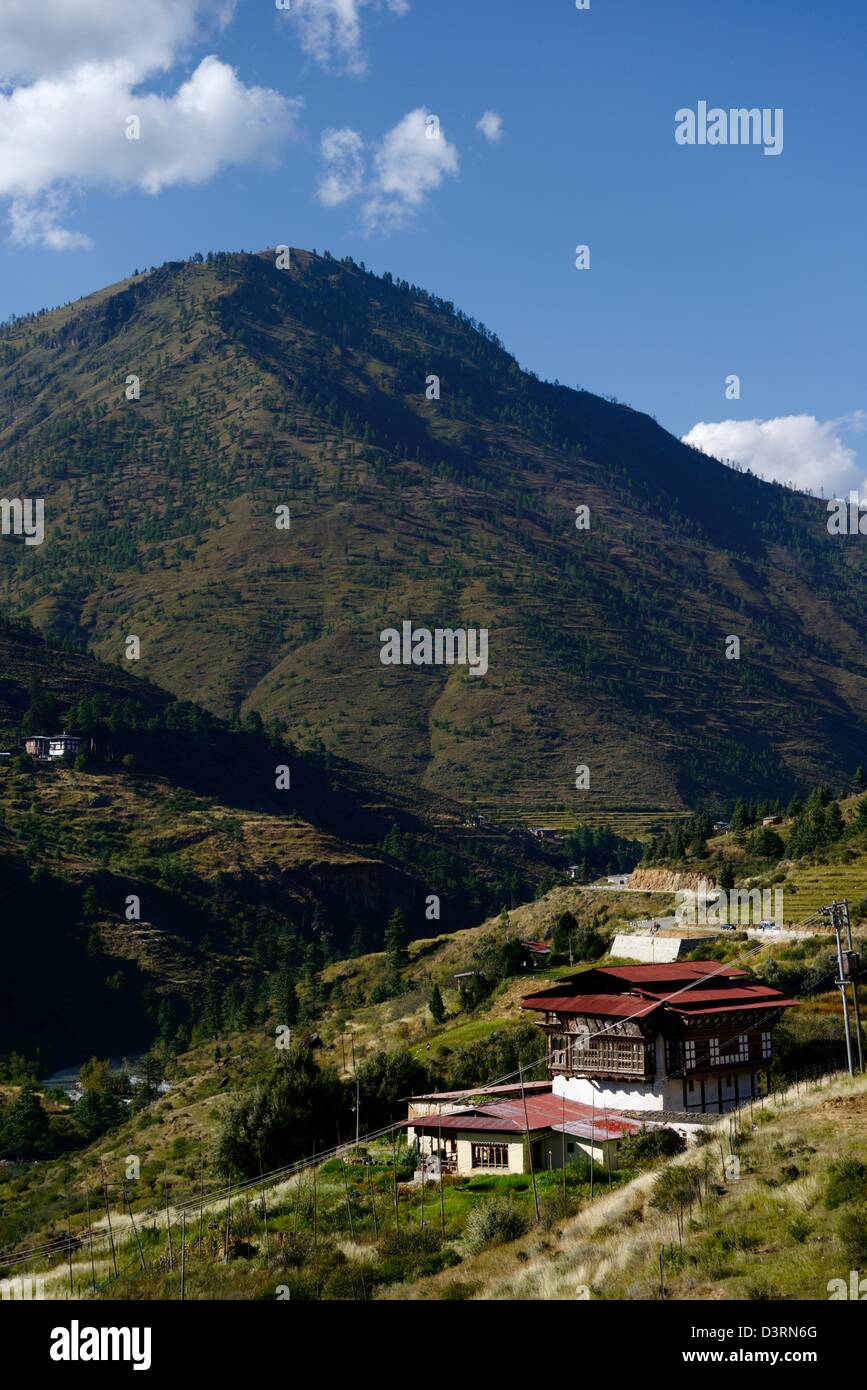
436	1006
26	1131
396	941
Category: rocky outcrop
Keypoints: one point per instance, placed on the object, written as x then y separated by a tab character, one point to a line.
667	880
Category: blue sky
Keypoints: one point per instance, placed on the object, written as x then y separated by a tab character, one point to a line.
704	261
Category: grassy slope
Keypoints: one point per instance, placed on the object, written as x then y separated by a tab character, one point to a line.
839	871
766	1235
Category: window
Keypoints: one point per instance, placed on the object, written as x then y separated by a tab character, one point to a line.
689	1054
558	1050
736	1050
766	1046
490	1155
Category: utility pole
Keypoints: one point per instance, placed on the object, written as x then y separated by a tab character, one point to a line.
530	1148
852	963
847	975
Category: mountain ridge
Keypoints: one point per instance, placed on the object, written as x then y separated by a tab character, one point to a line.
306	388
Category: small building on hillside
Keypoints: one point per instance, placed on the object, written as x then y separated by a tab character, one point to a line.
51	745
61	744
771	820
537	953
690	1036
544	832
506	1136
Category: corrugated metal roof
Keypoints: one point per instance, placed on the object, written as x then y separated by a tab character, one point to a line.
542	1112
604	1005
682	987
504	1090
676	970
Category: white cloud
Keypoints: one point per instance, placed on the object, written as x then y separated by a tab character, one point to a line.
796	449
409	162
343	175
53	36
491	126
412	160
330	30
36	224
81	68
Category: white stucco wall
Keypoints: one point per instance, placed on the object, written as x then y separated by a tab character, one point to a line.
654	950
465	1152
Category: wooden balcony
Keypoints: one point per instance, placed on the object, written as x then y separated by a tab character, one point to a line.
631	1059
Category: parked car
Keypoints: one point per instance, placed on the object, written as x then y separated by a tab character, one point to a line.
729	926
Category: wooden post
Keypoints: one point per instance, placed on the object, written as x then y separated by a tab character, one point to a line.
183	1255
228	1224
108	1218
592	1135
563	1122
315	1210
128	1206
396	1197
69	1240
90	1235
168	1223
442	1175
348	1203
662	1271
202	1203
372	1202
529	1146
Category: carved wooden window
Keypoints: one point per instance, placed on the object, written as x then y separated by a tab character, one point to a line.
490	1155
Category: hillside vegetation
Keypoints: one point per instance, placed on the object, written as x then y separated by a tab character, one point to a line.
263	388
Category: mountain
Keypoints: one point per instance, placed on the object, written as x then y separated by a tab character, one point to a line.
307	388
234	879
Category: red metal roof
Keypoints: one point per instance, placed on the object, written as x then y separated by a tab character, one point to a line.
604	1005
687	986
542	1112
512	1088
676	970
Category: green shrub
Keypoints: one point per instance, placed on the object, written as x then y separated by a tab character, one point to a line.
847	1182
457	1289
649	1146
852	1230
556	1207
495	1221
799	1229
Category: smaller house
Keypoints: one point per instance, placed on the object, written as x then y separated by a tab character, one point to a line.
543	832
45	746
61	744
462	976
537	953
771	820
722	825
617	880
510	1136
